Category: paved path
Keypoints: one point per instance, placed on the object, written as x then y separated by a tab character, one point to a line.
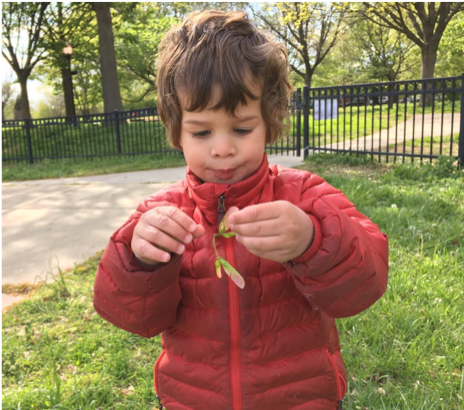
414	127
55	223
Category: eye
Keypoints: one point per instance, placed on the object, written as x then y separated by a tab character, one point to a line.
242	131
200	134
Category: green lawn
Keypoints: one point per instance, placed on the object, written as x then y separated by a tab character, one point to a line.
66	168
403	353
446	145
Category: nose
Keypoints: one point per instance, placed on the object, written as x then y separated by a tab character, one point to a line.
223	146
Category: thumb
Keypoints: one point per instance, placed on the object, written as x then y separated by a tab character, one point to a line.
231	211
198	232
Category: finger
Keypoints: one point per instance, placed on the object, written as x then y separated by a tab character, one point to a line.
270	227
160	239
230	211
170	221
198	232
176	215
181	218
148	253
262	244
254	213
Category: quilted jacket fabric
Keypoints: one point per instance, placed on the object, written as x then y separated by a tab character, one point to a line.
273	344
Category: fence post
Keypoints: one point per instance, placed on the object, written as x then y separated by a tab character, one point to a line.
29	142
118	135
298	122
305	121
461	130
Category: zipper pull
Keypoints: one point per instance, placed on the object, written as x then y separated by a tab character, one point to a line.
221	209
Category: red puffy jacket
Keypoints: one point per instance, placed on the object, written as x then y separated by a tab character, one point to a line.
272	345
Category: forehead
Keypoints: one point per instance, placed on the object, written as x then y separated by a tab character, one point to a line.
218	96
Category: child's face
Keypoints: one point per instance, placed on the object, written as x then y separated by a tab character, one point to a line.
222	148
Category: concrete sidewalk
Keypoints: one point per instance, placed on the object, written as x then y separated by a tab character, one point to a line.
59	222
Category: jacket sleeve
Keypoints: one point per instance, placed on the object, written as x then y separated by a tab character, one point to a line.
345	270
140	300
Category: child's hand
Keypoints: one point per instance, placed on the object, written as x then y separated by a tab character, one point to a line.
277	231
161	231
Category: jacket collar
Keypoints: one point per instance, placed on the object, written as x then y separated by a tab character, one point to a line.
240	194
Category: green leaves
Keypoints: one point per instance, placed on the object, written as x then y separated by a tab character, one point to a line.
221	263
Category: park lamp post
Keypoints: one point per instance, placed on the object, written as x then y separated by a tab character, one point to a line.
67	53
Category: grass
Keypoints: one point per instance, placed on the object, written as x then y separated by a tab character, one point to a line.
405	352
428	146
83	167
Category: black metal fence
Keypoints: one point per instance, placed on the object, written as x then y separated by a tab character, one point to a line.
404	119
85	136
392	120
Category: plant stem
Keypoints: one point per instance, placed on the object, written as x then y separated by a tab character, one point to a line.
214	244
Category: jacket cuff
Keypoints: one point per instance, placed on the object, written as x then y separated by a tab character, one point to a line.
315	245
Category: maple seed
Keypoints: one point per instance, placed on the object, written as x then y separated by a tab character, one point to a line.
221	262
218	268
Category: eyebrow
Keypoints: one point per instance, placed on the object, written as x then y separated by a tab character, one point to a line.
241	119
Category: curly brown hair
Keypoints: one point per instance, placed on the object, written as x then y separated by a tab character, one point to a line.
214	50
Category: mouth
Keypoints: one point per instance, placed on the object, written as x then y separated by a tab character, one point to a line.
224	173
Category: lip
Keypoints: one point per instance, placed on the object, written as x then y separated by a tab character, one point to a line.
224	173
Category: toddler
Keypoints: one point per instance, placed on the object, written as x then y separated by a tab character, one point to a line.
306	255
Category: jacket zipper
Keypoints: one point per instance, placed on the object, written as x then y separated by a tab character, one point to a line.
234	318
221	210
337	379
160	407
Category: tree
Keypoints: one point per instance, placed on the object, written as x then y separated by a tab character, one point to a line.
383	52
66	24
7	95
138	32
309	30
450	60
111	93
423	23
22	43
179	10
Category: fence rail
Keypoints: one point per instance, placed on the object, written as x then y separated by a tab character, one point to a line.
417	119
392	120
85	136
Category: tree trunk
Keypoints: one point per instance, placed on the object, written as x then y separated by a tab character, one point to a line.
111	94
429	58
308	76
68	95
25	108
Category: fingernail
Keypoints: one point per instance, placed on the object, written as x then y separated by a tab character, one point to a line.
192	228
180	249
165	257
188	238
